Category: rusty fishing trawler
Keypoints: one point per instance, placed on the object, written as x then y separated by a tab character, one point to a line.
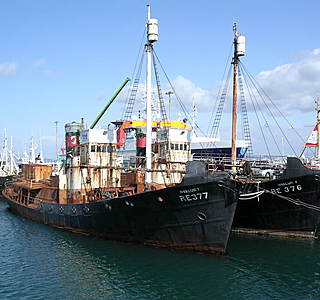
152	193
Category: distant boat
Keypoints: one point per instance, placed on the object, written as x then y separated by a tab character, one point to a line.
202	147
8	165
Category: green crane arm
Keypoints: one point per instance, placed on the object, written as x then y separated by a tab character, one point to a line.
110	102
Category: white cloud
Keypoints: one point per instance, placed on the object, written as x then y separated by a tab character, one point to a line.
293	87
8	68
38	62
188	92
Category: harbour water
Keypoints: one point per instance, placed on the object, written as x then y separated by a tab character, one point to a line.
39	262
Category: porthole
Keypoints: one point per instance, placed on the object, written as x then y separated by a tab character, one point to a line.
202	216
160	199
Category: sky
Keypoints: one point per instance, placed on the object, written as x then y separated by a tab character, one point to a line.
63	60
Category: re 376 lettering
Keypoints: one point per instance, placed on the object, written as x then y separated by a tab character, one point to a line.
287	189
193	197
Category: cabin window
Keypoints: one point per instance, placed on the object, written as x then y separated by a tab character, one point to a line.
181	146
172	147
93	148
176	147
103	148
109	148
98	148
185	147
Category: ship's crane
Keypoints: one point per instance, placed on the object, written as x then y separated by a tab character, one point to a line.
109	103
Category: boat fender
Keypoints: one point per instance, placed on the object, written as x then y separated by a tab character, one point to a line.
316	177
86	209
73	209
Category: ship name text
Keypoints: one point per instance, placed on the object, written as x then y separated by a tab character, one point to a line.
194	197
287	187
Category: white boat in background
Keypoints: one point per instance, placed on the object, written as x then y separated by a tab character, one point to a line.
8	165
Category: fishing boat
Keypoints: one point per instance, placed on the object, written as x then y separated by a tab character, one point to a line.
8	165
153	193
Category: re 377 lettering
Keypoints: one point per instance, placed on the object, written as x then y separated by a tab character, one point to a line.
193	197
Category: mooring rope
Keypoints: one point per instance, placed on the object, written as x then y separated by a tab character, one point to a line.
250	196
297	202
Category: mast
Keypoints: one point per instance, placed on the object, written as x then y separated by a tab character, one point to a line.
152	36
11	156
239	50
194	116
32	151
318	127
5	149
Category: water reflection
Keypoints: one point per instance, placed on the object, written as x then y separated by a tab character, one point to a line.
40	262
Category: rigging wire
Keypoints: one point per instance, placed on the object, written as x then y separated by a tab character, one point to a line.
135	66
177	96
262	98
163	117
251	95
244	116
220	89
217	120
279	111
127	114
266	122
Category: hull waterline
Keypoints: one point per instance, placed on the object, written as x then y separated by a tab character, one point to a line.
193	217
289	207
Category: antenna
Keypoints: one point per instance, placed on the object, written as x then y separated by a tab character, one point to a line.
152	25
169	93
56	123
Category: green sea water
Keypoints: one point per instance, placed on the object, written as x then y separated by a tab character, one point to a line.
39	262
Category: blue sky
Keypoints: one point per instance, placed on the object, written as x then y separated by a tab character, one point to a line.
62	60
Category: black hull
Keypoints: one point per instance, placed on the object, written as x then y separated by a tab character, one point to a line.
276	211
188	216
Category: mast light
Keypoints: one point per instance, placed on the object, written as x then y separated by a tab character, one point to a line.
241	45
